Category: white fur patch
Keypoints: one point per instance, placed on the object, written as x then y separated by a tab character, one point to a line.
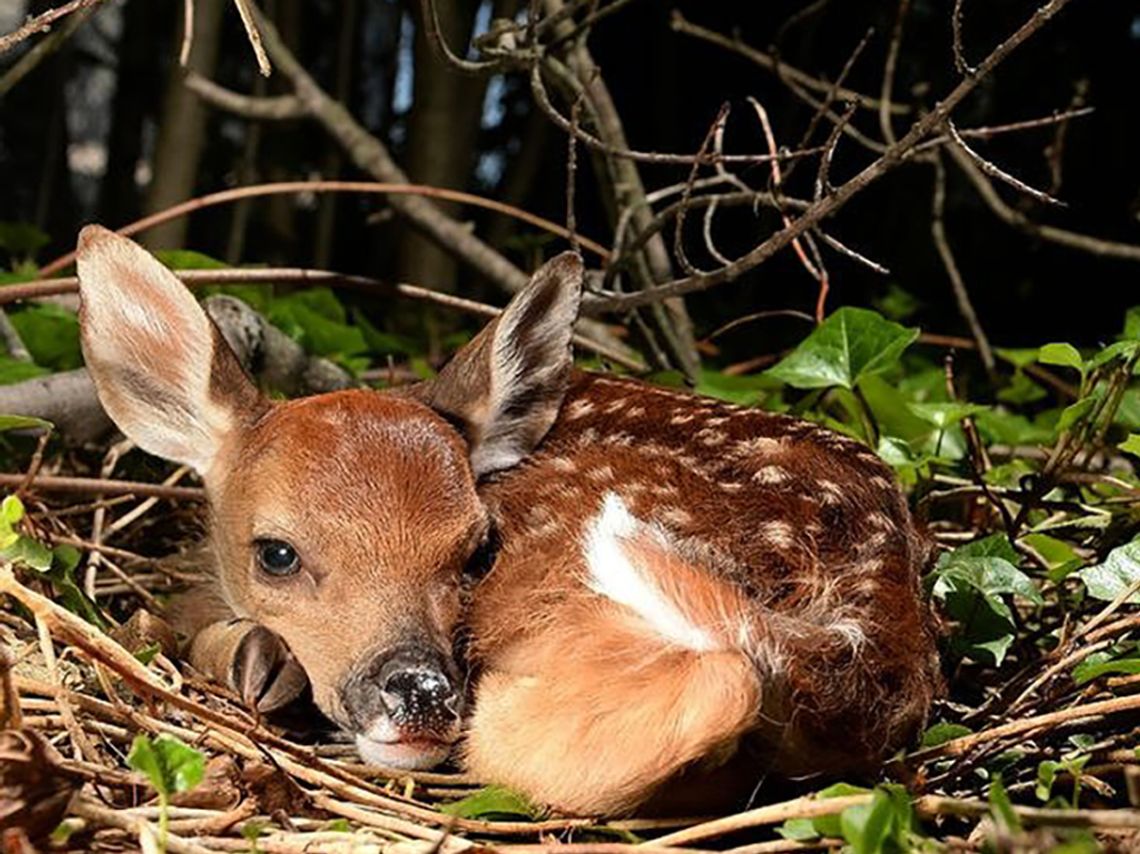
614	575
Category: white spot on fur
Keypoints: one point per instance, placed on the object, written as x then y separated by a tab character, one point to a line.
615	405
563	464
852	632
579	409
762	445
600	475
880	520
771	475
675	516
614	575
635	412
682	419
779	533
832	491
730	486
712	438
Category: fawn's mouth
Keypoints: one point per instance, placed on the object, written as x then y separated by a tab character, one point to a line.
410	752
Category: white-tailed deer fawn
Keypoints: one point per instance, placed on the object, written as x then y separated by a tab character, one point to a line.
645	582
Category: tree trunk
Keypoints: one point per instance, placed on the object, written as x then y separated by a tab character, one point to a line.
136	92
442	133
182	129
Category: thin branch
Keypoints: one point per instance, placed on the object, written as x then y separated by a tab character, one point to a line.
245	10
434	33
105	486
542	98
956	34
889	72
292	187
301	276
681	25
42	23
961	295
270	108
1015	218
994	172
42	49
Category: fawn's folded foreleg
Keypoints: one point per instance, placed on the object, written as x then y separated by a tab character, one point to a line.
239	653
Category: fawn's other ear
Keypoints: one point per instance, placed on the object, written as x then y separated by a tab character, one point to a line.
162	370
506	386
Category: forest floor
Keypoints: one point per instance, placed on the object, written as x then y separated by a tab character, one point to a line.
110	744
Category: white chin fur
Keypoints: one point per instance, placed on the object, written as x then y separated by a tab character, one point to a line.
406	757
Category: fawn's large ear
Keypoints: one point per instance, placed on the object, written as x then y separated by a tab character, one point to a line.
162	369
504	389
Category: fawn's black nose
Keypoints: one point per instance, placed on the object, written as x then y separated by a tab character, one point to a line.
417	696
411	685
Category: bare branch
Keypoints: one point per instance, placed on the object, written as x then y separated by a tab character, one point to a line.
434	32
274	108
894	155
994	172
245	10
889	72
288	187
1015	218
42	49
961	295
956	30
42	23
681	25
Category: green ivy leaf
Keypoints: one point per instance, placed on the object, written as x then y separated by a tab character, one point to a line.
1064	355
1101	664
170	764
1131	445
1074	412
17	370
798	830
51	334
1119	571
24	422
493	803
1001	808
22	239
1019	357
188	259
850	344
971	582
945	415
943	732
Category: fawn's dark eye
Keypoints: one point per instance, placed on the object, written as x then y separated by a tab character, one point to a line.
277	557
483	558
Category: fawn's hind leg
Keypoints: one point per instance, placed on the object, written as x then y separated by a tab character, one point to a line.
642	672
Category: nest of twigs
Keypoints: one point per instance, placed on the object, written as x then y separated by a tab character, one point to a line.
78	695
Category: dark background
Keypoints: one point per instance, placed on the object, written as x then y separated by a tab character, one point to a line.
110	88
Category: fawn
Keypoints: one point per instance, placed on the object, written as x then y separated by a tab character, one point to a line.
638	582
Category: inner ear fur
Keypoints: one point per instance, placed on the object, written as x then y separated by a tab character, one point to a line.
504	389
162	370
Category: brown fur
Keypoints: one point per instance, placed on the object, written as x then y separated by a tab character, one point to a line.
785	551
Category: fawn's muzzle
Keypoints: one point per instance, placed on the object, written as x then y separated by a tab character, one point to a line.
413	689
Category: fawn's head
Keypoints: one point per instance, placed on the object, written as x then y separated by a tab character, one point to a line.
342	522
